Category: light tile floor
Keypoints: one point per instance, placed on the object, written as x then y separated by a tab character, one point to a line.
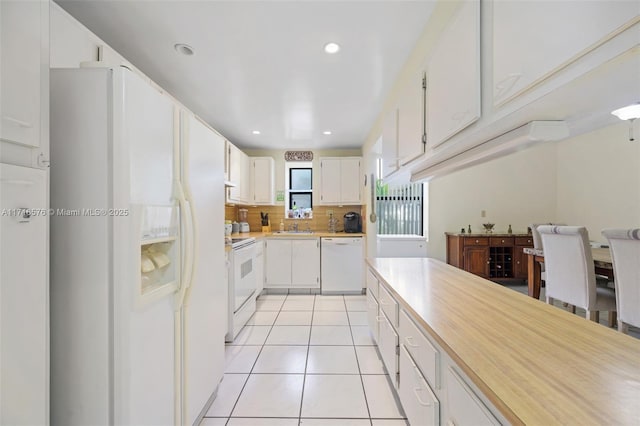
305	360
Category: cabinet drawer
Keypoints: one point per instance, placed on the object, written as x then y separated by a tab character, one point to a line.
422	351
465	408
388	305
372	316
388	346
418	401
372	284
524	241
477	241
501	241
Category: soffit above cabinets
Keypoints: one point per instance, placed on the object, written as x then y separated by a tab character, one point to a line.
260	65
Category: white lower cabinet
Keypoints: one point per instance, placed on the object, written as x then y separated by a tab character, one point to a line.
388	346
430	386
418	400
259	267
426	356
464	406
292	263
372	316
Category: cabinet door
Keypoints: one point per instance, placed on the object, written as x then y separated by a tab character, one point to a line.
21	70
305	263
330	181
418	400
372	317
259	267
476	260
245	180
526	53
520	265
390	143
235	173
465	408
262	180
411	119
278	263
453	76
388	346
350	192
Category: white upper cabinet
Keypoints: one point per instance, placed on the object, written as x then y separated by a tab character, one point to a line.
239	175
390	161
412	119
533	40
453	76
330	181
262	180
24	71
340	180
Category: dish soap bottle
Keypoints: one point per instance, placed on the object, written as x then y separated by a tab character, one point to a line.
281	225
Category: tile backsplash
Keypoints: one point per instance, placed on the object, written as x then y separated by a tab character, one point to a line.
319	222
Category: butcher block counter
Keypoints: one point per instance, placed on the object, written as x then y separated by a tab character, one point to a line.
532	363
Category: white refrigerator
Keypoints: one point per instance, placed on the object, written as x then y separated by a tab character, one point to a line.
127	251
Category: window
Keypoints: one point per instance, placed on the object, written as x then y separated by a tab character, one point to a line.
400	208
299	187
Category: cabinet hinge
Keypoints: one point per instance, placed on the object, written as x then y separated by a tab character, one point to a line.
424	81
317	279
398	350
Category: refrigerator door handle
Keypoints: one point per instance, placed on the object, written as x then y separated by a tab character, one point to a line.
185	220
194	243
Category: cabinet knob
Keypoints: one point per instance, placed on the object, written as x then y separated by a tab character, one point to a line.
502	241
477	241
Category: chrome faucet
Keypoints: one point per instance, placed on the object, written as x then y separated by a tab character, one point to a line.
294	227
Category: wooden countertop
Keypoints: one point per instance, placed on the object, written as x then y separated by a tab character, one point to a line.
536	363
315	234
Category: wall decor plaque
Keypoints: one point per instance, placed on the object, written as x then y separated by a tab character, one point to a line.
298	156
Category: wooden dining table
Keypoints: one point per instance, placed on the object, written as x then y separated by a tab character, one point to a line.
601	260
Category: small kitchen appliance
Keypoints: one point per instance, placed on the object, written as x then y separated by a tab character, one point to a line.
352	222
242	220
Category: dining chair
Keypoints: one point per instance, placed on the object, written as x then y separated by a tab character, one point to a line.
570	271
537	244
624	245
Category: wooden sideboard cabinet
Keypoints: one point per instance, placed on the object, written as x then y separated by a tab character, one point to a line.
497	257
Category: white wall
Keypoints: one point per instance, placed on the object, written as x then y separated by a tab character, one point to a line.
518	189
599	180
591	180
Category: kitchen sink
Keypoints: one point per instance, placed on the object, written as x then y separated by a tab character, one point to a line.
293	232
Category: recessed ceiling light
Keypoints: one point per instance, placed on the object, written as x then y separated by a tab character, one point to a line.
326	132
331	47
185	49
256	132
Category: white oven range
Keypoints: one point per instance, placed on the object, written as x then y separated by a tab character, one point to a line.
242	284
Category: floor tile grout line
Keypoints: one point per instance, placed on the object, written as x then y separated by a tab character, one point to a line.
306	362
364	392
252	368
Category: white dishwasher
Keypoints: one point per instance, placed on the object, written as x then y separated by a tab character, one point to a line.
341	265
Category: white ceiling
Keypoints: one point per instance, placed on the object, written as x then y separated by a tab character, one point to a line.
260	65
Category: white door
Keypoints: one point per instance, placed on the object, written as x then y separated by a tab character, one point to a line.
330	181
350	181
305	263
144	363
278	263
21	69
262	180
24	297
205	308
